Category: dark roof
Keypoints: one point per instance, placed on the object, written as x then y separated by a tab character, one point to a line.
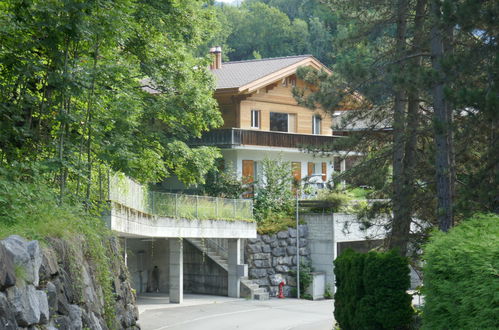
239	73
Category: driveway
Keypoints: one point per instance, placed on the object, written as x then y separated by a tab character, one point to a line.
222	313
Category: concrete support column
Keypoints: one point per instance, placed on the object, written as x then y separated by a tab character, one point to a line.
234	281
343	167
176	271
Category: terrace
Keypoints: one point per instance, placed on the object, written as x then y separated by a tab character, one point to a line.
138	212
231	137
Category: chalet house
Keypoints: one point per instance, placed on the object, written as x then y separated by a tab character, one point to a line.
263	120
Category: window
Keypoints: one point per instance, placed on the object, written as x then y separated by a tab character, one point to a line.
278	122
255	118
283	122
316	124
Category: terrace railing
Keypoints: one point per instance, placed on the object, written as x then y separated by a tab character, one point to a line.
236	136
127	192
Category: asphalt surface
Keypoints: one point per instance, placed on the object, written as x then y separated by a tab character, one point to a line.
224	314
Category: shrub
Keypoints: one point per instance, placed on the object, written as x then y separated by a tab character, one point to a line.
371	291
273	193
461	276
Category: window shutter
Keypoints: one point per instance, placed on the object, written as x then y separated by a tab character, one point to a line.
248	171
324	171
296	168
311	168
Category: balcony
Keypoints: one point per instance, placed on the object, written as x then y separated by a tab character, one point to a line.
231	137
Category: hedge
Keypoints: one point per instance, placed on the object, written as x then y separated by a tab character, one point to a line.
461	276
371	291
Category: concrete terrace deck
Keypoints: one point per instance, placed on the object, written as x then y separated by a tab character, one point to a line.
128	222
137	212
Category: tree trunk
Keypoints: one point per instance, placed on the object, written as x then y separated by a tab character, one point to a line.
399	234
442	125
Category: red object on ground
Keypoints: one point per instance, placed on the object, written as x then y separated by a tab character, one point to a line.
281	293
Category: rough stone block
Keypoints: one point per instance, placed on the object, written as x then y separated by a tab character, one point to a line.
254	248
266	249
51	292
287	290
257	273
260	256
282	268
283	234
278	251
75	316
44	307
17	248
291	241
265	263
303	242
274	244
292	232
7	314
270	271
90	321
283	243
25	303
262	281
291	250
253	240
7	270
269	238
49	266
304	251
303	229
62	323
35	254
276	279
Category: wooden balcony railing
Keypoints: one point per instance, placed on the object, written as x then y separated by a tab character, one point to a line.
230	137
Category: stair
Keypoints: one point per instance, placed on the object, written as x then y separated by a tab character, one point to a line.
255	292
249	289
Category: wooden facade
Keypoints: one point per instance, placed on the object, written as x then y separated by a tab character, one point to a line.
236	109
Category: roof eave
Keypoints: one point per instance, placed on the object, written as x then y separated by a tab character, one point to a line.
274	77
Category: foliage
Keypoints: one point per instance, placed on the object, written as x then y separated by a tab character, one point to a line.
274	224
305	280
223	183
30	208
368	296
273	193
461	276
92	86
262	29
384	73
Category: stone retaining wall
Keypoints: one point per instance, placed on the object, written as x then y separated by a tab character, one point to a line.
54	287
271	258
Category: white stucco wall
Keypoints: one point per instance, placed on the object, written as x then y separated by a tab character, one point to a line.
234	157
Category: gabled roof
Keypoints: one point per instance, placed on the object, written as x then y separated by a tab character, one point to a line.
248	76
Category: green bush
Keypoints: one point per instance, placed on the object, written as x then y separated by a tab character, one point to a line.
371	291
461	276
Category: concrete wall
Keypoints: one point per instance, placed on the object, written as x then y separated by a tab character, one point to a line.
127	222
201	274
142	256
321	243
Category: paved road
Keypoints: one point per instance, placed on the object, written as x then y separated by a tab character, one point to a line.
274	314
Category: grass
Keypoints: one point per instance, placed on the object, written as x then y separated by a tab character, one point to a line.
192	207
30	209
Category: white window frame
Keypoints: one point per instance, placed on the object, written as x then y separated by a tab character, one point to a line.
255	118
316	129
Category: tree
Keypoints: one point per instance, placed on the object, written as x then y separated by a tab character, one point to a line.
418	80
92	86
273	191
